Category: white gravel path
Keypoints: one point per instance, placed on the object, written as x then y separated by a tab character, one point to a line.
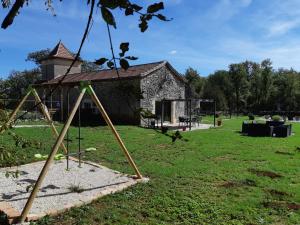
29	126
55	195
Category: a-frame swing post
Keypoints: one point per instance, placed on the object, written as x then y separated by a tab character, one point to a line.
116	134
14	113
50	158
48	117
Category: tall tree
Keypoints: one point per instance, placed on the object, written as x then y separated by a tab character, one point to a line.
266	80
218	87
238	77
195	83
287	90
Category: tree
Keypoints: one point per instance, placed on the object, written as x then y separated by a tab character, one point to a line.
17	82
253	71
218	87
287	90
266	80
238	77
195	83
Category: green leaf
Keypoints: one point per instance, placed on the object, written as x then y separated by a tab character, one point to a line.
136	7
108	17
131	57
101	61
155	7
38	156
123	3
148	17
124	47
59	157
124	64
90	149
29	187
161	17
143	25
110	64
112	4
128	11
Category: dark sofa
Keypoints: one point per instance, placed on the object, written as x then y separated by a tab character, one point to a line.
268	129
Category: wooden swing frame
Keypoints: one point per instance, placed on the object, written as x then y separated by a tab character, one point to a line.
85	88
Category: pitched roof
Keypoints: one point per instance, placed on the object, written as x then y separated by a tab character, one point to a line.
60	51
109	74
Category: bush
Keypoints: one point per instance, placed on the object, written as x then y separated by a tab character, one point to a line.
3	115
251	116
276	118
3	218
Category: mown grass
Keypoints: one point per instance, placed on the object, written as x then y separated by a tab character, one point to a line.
211	176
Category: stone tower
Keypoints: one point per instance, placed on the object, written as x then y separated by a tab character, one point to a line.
58	62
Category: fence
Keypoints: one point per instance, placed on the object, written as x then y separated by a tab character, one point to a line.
33	113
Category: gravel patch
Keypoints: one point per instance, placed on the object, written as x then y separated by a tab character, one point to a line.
57	192
29	126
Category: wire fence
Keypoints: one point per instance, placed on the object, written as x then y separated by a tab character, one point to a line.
34	113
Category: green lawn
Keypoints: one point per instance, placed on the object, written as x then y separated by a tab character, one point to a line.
213	176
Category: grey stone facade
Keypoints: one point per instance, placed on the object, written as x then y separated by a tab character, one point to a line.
163	84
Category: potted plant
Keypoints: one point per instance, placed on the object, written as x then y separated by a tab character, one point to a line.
276	118
164	130
219	121
276	121
251	116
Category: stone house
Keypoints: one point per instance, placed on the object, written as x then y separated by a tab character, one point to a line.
141	87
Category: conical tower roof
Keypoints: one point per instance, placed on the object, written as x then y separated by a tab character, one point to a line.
60	51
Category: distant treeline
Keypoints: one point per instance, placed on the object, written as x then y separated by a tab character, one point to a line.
248	87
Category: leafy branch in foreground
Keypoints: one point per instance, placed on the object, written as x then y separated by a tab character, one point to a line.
106	8
124	47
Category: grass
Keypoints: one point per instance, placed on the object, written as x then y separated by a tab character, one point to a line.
213	176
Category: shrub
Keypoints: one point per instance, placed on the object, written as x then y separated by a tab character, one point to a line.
276	118
3	218
218	115
251	116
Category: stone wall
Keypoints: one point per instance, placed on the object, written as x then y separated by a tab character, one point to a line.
117	97
53	68
120	100
162	84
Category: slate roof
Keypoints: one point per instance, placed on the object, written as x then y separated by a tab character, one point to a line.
136	71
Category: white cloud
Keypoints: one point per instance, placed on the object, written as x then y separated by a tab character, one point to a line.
282	27
277	19
173	52
224	10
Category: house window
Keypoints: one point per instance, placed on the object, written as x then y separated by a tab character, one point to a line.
87	105
90	105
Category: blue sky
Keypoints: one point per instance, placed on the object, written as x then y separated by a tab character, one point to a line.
204	34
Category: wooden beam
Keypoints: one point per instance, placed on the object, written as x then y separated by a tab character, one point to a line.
14	113
116	134
50	159
48	117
